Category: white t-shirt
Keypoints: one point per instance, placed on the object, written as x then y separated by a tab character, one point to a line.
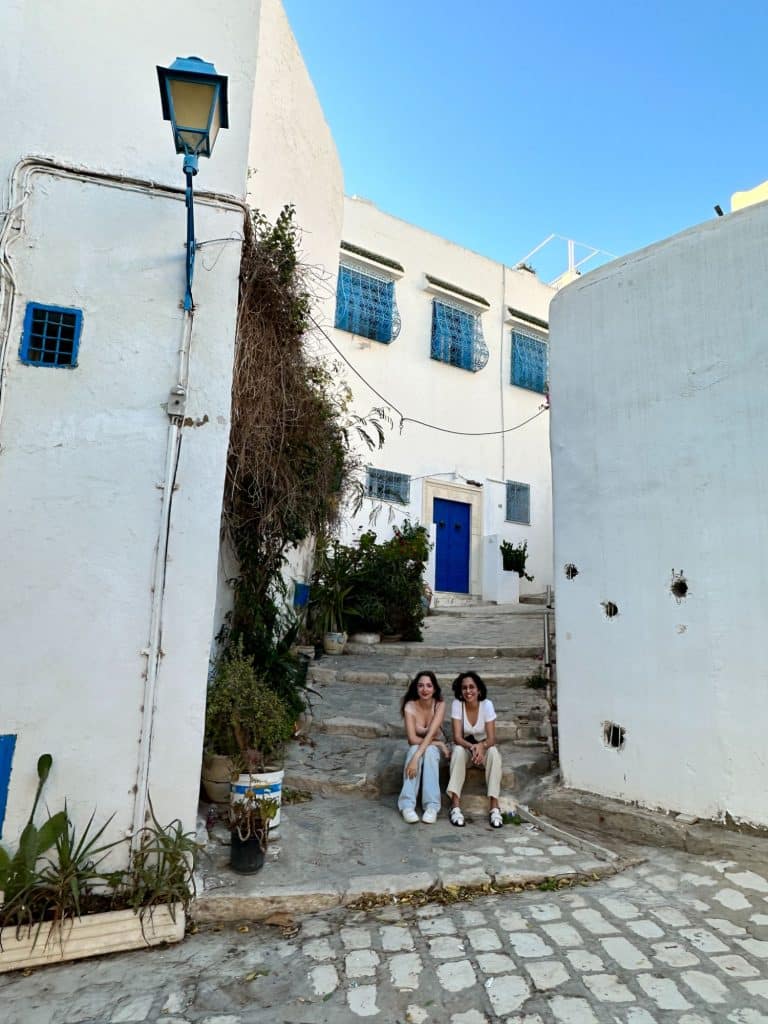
485	713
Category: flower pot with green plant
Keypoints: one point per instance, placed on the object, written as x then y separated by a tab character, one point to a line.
247	721
514	557
60	903
250	822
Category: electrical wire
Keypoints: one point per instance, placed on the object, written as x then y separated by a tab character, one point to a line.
411	419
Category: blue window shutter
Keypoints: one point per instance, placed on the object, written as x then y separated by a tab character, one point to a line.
457	337
365	305
7	747
385	485
51	335
529	362
518	503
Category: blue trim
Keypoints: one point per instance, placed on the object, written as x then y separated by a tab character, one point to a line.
7	747
275	788
529	362
48	339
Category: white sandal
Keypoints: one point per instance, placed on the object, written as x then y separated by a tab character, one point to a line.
456	817
495	819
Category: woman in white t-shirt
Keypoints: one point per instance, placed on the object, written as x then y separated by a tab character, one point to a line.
474	744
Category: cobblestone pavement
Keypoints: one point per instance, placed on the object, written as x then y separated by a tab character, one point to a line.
676	938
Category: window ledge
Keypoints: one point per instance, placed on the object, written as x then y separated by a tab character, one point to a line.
517	316
457	294
354	254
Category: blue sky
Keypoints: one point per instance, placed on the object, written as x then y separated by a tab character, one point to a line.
497	122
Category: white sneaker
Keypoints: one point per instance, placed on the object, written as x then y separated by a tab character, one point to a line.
410	815
429	817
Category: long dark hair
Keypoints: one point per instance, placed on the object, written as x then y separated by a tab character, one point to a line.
412	693
482	691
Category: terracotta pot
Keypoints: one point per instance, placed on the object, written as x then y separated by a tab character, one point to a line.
216	776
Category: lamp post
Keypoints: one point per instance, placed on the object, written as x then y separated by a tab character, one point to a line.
194	100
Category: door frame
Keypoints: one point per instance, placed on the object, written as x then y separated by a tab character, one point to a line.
472	496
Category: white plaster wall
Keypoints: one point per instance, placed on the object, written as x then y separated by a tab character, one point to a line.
659	371
83	450
446	396
292	159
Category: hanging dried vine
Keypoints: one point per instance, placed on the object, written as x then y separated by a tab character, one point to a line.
292	462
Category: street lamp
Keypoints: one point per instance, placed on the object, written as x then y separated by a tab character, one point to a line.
194	100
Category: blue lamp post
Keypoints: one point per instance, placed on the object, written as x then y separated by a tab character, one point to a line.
194	100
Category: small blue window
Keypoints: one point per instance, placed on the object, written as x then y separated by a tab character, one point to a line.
7	747
387	486
518	503
51	335
365	305
529	362
457	337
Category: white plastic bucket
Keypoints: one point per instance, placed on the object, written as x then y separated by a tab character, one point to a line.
254	786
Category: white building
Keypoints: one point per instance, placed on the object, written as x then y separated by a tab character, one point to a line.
457	345
659	426
110	502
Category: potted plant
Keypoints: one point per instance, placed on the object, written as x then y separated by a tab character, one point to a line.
249	724
57	903
514	557
332	585
250	820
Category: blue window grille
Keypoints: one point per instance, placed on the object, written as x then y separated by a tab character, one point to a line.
7	747
51	335
384	485
518	503
365	305
529	362
457	337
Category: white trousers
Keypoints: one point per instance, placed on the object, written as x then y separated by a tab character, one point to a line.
461	758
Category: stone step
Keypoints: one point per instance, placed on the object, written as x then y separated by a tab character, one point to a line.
422	651
497	672
336	764
368	711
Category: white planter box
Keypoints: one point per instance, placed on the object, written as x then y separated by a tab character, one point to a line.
89	936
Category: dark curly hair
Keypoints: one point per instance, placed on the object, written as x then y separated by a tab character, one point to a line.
412	693
482	690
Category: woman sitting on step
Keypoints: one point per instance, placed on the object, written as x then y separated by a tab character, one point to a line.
423	711
474	744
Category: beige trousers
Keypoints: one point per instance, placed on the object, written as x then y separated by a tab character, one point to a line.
460	760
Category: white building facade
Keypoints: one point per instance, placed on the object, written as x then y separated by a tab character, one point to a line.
110	478
659	426
456	345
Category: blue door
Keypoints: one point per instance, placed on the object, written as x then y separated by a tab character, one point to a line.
452	546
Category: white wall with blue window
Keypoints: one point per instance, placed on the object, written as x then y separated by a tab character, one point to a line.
458	344
90	334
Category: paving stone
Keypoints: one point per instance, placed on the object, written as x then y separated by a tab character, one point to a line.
356	938
748	880
563	934
483	940
446	947
528	945
625	954
395	938
405	969
735	966
325	979
495	963
570	1010
547	974
361	963
608	988
362	1000
646	929
663	991
454	977
132	1009
732	899
584	962
706	986
674	955
507	992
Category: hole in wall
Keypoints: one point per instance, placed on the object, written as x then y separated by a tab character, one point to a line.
571	572
611	609
614	735
679	586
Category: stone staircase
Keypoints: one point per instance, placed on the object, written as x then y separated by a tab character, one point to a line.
355	743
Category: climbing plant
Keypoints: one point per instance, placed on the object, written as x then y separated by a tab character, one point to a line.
293	457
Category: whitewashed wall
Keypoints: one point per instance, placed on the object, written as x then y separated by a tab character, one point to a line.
659	424
292	160
446	396
83	450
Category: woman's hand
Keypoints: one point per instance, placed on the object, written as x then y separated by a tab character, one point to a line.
478	754
412	768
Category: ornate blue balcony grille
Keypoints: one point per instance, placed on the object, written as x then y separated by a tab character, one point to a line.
529	362
387	486
51	335
365	305
518	503
457	337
